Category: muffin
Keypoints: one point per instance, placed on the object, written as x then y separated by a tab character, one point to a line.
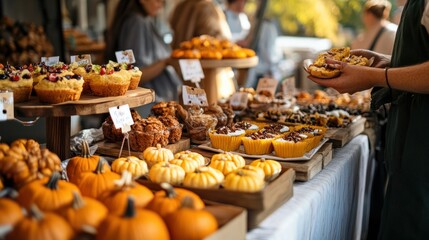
135	75
148	133
173	126
84	71
164	108
59	85
247	127
113	134
314	134
258	143
38	72
291	145
276	129
217	112
226	138
20	82
106	80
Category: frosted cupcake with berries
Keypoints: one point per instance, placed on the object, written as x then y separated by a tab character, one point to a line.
19	81
105	80
59	85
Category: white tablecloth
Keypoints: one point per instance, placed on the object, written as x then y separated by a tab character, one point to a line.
329	206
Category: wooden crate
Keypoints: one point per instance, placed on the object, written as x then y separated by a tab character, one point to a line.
232	221
341	136
112	149
258	204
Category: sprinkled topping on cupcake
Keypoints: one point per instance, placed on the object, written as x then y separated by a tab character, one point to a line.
276	128
294	137
231	131
261	135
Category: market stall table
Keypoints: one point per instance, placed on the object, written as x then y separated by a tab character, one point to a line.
330	206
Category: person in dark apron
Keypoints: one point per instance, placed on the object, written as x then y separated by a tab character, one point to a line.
402	80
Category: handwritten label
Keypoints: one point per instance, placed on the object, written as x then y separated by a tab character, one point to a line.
194	96
121	117
81	60
126	56
238	100
50	61
267	85
6	106
288	87
191	70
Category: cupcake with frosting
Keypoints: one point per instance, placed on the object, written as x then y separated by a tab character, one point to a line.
246	126
291	145
226	138
258	143
20	82
276	129
314	134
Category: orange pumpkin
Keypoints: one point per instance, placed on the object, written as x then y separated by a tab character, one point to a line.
169	199
134	224
48	194
11	212
84	214
83	163
116	199
203	222
38	225
92	184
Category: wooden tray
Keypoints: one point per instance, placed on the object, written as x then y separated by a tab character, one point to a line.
113	149
258	204
231	220
341	136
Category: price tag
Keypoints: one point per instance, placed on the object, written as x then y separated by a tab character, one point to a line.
50	61
194	96
6	106
238	100
191	70
81	60
126	56
121	117
266	85
288	87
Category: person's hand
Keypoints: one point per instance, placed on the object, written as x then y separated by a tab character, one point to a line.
380	60
352	78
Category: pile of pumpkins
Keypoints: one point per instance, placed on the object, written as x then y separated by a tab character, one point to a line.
96	202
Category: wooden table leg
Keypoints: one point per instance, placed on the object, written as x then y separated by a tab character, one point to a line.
209	84
58	136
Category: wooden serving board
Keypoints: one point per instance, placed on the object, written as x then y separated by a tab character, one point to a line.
231	220
341	136
112	149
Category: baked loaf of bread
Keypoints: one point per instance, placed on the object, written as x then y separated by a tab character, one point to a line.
173	126
321	69
20	82
148	133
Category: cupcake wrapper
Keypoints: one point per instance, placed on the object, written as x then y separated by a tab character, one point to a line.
290	149
257	147
225	142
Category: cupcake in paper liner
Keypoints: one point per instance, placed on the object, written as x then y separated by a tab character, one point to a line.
247	127
258	143
277	129
315	134
226	138
291	145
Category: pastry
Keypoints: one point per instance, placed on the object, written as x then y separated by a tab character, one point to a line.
164	108
148	133
291	145
114	134
226	138
135	73
247	127
20	82
173	126
106	80
258	143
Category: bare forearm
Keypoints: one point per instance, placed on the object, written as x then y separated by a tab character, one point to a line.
152	71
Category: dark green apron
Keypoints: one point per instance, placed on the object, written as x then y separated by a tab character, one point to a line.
405	212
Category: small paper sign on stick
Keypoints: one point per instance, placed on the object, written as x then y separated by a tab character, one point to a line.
126	56
191	70
6	106
81	60
267	85
121	117
50	61
288	87
239	100
194	96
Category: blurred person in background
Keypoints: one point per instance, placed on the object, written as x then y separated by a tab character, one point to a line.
237	20
379	33
396	16
134	28
192	18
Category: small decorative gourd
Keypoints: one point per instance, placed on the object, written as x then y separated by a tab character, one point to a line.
227	162
41	225
271	168
132	164
48	194
92	184
243	181
258	172
134	224
84	214
157	154
83	163
116	199
188	164
203	222
189	154
169	199
204	177
166	172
